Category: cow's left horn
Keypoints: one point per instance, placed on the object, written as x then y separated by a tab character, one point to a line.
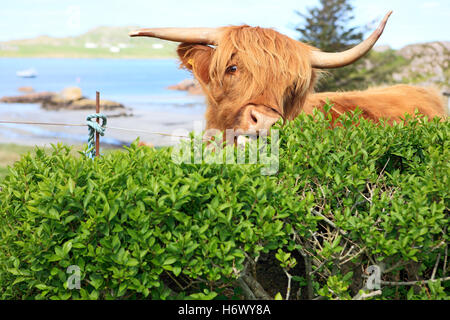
190	35
327	60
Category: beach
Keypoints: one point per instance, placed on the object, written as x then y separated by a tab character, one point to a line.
160	121
140	85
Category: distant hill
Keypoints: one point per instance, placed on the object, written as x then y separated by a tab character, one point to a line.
101	42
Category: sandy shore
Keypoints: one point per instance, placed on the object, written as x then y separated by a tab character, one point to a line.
163	120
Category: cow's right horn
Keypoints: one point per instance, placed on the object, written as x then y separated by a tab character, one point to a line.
326	60
190	35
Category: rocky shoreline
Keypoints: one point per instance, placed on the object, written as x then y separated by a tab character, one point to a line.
192	86
70	98
71	106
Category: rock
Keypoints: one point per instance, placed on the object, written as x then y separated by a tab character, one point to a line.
71	94
183	85
70	99
189	85
64	99
39	97
120	115
428	64
57	103
89	104
26	89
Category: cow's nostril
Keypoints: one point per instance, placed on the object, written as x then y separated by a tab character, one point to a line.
254	119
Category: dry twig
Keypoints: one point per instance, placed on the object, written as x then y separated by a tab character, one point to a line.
288	290
412	283
365	296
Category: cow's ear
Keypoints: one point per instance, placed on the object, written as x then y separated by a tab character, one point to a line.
196	58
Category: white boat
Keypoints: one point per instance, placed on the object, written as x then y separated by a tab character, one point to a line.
28	73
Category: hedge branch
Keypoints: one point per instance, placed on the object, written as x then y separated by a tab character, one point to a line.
316	242
365	296
352	257
255	287
329	222
288	290
308	270
436	266
382	170
248	293
319	267
444	269
183	288
412	283
253	262
398	264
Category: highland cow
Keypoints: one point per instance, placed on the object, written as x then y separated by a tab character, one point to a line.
254	76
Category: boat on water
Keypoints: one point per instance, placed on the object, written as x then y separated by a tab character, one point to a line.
28	73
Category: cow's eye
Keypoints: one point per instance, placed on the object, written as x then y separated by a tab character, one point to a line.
231	69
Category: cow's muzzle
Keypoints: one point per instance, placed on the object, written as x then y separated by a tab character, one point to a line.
258	118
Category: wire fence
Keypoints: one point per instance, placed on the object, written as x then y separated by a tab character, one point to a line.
95	129
85	125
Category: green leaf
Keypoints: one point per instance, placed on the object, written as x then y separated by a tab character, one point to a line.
169	260
71	185
132	262
67	246
122	289
176	271
42	286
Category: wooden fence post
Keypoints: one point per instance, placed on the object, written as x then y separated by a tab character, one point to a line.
97	135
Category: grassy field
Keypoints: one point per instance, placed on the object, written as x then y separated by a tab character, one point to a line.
102	42
9	153
78	51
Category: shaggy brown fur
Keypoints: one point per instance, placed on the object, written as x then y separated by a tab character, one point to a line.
390	103
275	71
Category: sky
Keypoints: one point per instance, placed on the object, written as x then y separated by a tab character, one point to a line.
413	21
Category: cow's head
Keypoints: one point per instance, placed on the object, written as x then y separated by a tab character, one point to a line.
253	76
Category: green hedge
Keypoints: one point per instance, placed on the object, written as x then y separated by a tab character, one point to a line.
139	226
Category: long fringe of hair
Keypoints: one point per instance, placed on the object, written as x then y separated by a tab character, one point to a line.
274	64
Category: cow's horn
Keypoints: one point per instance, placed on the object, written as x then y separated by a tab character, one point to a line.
326	60
190	35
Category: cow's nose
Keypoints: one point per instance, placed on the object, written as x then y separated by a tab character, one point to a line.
261	118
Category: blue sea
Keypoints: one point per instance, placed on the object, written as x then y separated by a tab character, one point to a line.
139	84
136	83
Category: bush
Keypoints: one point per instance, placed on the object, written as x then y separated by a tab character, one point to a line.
139	226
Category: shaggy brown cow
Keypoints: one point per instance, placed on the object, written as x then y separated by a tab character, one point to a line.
253	76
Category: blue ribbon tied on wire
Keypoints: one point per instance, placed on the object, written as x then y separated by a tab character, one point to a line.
94	127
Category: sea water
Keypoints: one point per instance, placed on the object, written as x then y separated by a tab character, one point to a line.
132	82
139	84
